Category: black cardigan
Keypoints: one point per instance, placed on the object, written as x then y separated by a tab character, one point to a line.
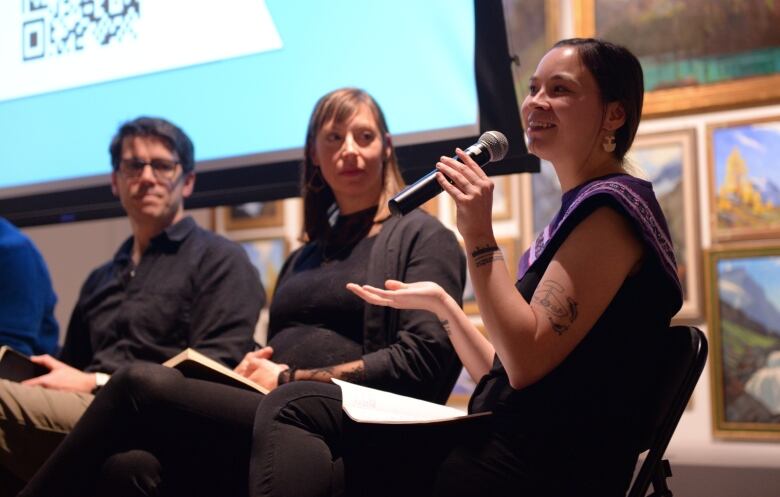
408	351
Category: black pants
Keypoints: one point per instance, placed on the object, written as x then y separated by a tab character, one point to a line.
151	431
304	446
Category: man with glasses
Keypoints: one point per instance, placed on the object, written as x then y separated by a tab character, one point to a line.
170	286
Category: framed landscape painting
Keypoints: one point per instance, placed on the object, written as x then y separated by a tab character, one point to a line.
502	199
744	329
253	215
267	255
696	54
546	195
744	167
668	161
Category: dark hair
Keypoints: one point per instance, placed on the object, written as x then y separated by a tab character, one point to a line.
618	75
339	105
167	132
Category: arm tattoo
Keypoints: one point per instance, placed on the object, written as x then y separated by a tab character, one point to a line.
357	375
486	255
315	374
446	325
561	309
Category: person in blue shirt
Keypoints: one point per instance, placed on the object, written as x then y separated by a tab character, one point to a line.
27	298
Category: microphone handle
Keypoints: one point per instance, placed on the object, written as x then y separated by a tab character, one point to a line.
415	194
427	187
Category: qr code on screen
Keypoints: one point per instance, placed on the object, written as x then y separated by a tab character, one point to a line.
55	27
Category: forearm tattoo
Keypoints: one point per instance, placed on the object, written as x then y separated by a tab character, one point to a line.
446	325
561	309
486	255
315	374
356	375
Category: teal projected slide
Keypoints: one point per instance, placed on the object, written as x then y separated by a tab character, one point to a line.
239	76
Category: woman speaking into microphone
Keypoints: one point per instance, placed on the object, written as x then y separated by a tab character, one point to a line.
569	346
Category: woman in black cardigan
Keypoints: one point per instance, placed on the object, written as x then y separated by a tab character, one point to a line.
151	431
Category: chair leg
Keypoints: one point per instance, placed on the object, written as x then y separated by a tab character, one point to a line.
662	472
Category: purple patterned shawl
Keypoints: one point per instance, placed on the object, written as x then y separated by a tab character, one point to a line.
636	197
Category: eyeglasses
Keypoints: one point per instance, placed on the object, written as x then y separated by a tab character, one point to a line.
163	169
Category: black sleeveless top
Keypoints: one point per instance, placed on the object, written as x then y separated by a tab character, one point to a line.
586	414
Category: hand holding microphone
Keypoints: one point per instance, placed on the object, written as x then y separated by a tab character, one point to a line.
491	146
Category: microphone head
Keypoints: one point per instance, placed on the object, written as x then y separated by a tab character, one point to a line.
496	144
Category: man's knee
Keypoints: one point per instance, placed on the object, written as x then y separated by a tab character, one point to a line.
33	421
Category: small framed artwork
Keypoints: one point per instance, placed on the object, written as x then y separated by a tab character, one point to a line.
696	56
546	198
253	215
502	199
508	250
744	179
744	329
268	256
668	161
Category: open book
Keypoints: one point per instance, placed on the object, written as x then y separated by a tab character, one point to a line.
193	364
369	405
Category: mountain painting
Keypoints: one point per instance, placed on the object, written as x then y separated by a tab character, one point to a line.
745	330
547	196
745	179
668	161
662	165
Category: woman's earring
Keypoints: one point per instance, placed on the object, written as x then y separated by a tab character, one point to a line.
609	142
316	182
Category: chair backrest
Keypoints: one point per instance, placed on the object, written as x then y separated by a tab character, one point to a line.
682	354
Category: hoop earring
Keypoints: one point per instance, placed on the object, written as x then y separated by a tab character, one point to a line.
316	182
609	143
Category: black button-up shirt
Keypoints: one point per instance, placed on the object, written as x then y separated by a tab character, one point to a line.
192	288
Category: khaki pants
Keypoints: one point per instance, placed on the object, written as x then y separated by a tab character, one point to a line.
33	421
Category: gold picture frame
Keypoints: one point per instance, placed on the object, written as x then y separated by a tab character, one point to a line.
744	331
744	180
252	215
686	96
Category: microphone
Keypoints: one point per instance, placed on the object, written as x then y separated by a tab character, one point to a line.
491	146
